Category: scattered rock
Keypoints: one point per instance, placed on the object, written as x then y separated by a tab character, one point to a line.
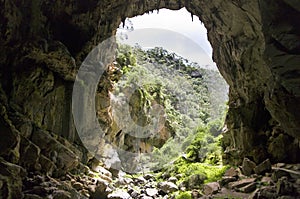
119	194
228	193
168	187
61	194
263	167
78	186
284	187
231	172
266	180
173	179
100	189
123	181
211	188
241	183
149	176
277	174
85	193
248	188
143	196
280	165
196	180
264	192
133	192
227	179
140	180
103	171
151	191
248	166
195	194
101	185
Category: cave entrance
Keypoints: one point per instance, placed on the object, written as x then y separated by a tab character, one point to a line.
169	87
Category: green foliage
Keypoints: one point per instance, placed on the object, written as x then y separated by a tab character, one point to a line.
125	58
205	147
193	99
184	195
209	173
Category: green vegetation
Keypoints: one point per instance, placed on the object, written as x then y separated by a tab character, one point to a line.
201	163
193	100
205	172
184	195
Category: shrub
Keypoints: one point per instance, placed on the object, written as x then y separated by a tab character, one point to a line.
184	195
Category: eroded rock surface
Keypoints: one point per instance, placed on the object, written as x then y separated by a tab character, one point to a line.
256	47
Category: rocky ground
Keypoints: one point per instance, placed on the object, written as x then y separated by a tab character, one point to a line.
248	181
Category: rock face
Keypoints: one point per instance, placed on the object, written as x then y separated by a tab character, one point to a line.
43	43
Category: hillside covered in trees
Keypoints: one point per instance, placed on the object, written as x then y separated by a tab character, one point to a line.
178	107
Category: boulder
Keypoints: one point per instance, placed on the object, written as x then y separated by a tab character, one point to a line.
196	180
78	186
248	166
241	183
140	180
248	188
263	167
211	188
151	192
119	194
227	179
173	179
231	172
168	187
149	176
284	187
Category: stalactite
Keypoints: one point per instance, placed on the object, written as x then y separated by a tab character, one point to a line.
192	16
123	21
158	5
179	3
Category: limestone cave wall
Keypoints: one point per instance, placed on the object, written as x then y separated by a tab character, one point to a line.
256	46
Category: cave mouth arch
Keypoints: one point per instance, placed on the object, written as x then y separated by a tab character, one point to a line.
247	37
184	96
255	47
240	49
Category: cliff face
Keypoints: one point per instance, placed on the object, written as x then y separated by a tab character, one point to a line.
256	47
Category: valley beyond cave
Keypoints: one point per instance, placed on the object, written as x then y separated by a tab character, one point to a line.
43	43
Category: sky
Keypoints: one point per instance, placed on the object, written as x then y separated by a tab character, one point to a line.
173	30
